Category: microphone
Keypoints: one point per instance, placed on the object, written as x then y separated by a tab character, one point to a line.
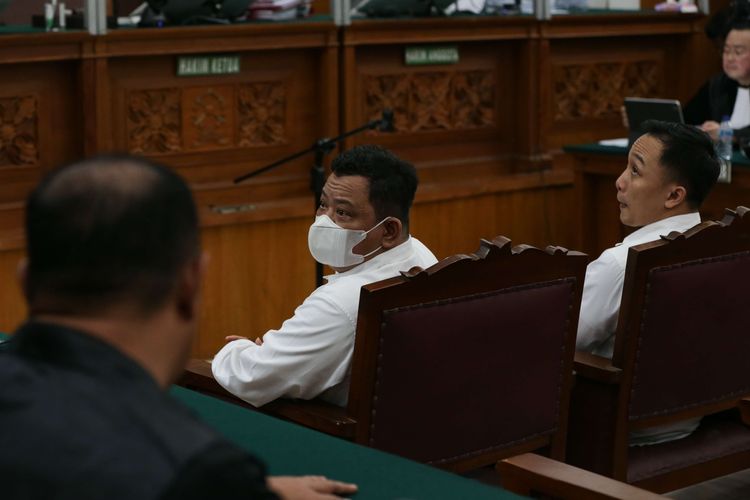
386	122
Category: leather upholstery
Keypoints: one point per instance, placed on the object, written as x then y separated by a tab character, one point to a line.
427	351
694	344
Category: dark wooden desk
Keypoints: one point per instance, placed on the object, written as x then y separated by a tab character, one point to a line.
597	167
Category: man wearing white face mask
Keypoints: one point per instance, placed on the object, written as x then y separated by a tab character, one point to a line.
361	230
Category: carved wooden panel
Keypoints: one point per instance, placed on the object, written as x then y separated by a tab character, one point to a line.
474	99
18	131
154	121
435	100
208	117
597	90
262	114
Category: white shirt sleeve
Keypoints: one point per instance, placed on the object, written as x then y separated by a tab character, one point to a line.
310	353
600	305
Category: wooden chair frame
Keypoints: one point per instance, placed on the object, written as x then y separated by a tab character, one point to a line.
599	379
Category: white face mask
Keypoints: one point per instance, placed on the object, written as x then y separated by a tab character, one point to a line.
333	245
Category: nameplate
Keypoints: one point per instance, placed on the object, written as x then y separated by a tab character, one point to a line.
421	56
232	209
208	65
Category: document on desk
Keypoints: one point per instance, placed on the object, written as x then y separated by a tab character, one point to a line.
621	142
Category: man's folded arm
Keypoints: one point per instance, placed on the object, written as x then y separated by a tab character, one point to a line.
310	353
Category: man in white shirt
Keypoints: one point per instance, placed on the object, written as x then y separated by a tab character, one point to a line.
361	230
670	171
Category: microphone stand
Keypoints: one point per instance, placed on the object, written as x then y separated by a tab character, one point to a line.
321	148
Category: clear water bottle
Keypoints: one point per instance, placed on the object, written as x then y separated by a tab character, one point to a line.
724	150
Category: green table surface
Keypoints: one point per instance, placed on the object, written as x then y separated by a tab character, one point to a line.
289	449
738	158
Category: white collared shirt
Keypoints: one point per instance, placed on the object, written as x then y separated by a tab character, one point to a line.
602	289
741	112
310	354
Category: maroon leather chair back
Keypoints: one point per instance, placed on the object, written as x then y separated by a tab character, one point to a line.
694	343
470	360
460	377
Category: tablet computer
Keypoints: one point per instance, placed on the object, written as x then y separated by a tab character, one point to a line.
640	109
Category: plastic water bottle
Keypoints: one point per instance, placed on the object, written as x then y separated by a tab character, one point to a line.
724	150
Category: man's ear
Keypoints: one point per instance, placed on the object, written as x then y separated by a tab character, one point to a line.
392	233
189	287
22	277
676	197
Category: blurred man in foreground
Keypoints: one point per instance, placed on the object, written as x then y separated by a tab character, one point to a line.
112	282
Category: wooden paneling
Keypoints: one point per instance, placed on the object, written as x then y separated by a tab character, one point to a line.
40	120
12	305
537	214
482	132
585	83
257	274
467	113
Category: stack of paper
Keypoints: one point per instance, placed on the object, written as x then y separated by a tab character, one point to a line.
278	10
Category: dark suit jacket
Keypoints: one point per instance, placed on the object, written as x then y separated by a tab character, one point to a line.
713	101
79	420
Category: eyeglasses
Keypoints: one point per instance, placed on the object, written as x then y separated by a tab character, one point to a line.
736	50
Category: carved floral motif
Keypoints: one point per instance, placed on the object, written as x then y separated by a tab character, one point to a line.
209	123
436	100
474	99
154	121
162	121
597	90
262	114
18	131
388	91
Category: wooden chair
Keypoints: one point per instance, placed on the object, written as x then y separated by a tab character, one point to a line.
682	350
461	364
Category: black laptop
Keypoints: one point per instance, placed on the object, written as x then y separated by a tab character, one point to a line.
640	109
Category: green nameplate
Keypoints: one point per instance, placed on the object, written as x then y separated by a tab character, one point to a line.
419	56
208	65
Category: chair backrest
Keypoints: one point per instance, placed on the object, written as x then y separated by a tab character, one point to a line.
470	360
683	338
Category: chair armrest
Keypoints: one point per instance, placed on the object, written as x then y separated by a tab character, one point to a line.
529	473
319	415
596	368
315	414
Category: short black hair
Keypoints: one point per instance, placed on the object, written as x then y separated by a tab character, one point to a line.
689	157
719	24
393	181
738	17
105	231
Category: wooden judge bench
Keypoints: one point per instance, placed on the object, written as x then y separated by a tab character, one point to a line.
485	131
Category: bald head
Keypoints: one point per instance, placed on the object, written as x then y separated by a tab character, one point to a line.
106	232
